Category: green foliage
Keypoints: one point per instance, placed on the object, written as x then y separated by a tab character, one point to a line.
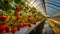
9	11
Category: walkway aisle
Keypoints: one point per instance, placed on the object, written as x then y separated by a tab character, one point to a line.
47	29
43	28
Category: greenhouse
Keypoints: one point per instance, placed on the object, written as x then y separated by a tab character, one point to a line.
29	16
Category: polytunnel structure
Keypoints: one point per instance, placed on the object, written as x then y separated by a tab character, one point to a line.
29	16
49	7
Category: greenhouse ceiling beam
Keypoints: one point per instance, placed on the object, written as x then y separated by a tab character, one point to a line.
38	5
43	4
56	14
28	2
52	4
34	1
53	8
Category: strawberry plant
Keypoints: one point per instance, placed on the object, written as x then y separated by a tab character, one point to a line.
17	14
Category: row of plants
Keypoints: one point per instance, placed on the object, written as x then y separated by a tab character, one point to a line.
15	15
54	27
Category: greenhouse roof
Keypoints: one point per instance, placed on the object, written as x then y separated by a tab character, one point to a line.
47	7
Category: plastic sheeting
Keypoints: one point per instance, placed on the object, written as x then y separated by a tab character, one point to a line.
52	6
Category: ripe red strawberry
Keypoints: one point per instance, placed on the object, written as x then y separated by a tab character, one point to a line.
3	27
34	23
29	25
20	14
18	28
18	17
18	9
29	20
21	25
24	24
3	18
8	29
16	14
0	28
13	30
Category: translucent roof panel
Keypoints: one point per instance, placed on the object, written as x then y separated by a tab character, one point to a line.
37	4
52	7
